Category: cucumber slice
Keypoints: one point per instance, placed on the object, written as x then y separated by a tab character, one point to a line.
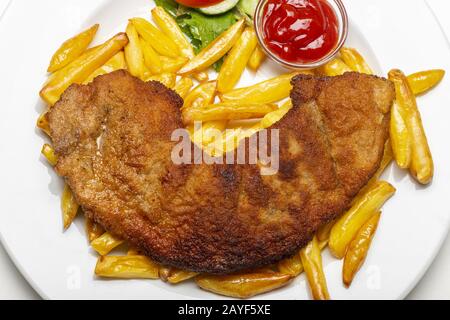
248	7
219	8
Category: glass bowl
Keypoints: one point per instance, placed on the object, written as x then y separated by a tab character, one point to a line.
341	14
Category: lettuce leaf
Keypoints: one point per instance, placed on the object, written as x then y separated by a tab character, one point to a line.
170	6
200	28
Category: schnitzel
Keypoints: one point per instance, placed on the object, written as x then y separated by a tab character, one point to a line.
113	142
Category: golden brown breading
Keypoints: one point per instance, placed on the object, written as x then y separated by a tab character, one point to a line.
113	139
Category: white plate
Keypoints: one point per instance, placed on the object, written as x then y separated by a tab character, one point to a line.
60	265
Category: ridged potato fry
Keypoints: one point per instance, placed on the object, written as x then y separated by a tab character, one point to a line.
355	61
151	59
207	134
170	27
72	49
215	50
127	267
292	266
158	40
324	232
311	257
93	230
179	276
184	86
106	243
272	118
424	81
134	55
422	165
69	207
335	67
272	90
201	76
42	123
172	65
243	286
115	63
167	79
236	61
80	69
400	137
364	208
358	249
49	153
227	111
201	96
257	59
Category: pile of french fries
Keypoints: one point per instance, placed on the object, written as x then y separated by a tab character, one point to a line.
162	53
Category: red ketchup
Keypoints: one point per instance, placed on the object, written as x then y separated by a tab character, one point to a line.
300	31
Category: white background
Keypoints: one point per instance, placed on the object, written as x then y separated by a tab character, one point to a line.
435	284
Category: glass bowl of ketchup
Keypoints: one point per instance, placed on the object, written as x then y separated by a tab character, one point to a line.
301	34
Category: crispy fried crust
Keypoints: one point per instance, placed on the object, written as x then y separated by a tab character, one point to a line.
113	139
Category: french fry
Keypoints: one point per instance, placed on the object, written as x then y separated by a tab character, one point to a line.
388	156
43	124
207	135
202	96
127	267
106	243
243	285
158	40
275	116
115	63
358	249
400	137
335	67
236	61
183	86
80	69
151	59
311	257
227	111
257	59
133	52
353	59
215	50
167	79
324	232
178	276
201	76
229	141
170	27
85	54
72	49
269	91
132	251
69	207
93	230
172	65
364	208
422	166
164	273
424	81
291	266
49	153
323	244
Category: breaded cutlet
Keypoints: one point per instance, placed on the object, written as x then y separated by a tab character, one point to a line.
113	142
